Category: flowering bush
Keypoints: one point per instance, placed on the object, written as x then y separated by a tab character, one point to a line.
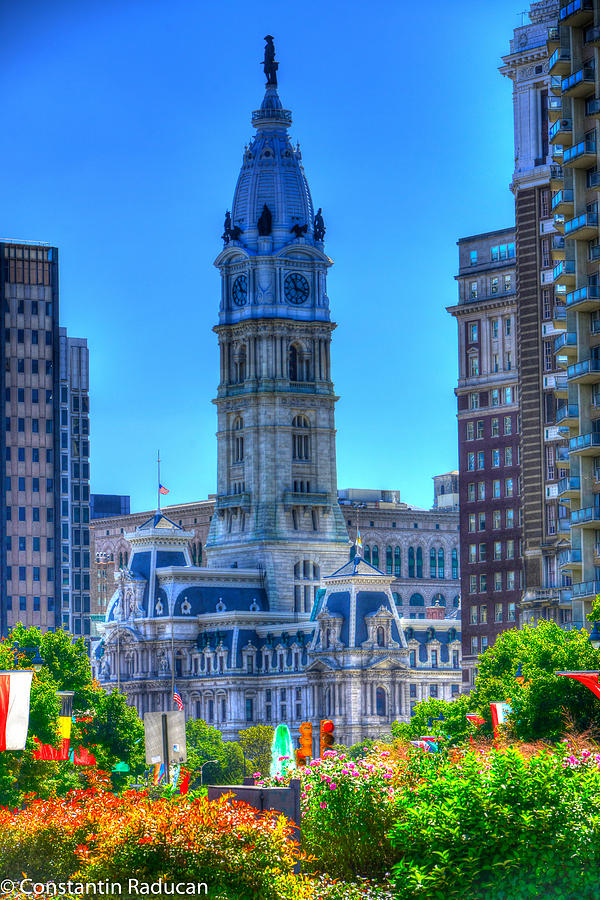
348	808
496	824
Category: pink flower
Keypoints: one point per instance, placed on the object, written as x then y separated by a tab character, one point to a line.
256	775
332	786
323	805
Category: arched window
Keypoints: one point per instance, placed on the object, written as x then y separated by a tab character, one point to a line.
432	559
199	553
419	562
238	440
454	563
240	366
367	553
411	562
380	637
416	600
456	602
293	364
388	561
440	599
397	598
375	556
380	702
440	563
301	439
397	562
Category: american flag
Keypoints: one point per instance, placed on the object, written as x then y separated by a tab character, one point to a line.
178	700
162	489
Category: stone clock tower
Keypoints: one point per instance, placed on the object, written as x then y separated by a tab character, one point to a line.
276	506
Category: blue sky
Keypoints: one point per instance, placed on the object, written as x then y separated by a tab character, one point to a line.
124	123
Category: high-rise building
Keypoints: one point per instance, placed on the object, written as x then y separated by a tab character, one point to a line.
543	278
38	381
104	506
488	440
574	72
75	485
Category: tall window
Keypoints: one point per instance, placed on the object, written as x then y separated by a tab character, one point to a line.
397	562
375	556
419	562
432	563
238	440
388	560
306	584
293	363
411	562
367	553
440	563
380	701
454	563
301	438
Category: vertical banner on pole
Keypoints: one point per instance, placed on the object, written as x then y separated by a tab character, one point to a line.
500	710
15	692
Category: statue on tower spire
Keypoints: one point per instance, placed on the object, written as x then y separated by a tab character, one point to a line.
269	65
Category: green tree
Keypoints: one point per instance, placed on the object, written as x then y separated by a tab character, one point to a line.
204	743
454	725
256	743
543	702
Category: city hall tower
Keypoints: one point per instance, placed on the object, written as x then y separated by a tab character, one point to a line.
276	506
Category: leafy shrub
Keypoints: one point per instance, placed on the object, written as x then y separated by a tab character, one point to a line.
479	826
94	835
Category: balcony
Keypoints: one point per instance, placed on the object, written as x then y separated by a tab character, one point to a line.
567	342
552	38
556	85
577	13
563	527
559	316
587	371
593	181
561	388
595	326
561	132
556	152
585	590
592	36
568	487
592	107
540	596
232	501
585	445
560	61
556	177
562	202
584	299
562	457
299	498
581	155
559	222
564	273
570	559
583	227
568	414
554	108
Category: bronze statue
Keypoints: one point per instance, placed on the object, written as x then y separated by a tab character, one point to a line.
265	222
227	228
319	226
299	230
269	65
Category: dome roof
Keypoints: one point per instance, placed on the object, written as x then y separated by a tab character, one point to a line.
272	175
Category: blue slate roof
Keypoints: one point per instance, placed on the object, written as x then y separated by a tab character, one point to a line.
203	599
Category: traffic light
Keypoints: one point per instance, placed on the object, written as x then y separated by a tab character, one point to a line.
327	739
304	753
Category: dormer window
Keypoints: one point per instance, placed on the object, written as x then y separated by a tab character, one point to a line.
380	637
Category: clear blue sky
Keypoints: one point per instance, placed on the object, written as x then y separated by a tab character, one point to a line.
123	126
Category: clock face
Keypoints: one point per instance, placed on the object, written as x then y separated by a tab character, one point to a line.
240	290
296	288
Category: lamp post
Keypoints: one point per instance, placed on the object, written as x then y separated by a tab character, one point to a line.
202	769
37	662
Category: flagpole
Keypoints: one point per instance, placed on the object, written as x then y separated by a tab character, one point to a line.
158	488
172	657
